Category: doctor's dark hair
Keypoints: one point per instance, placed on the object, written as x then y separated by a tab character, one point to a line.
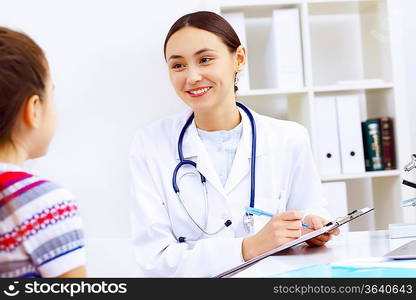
23	73
209	21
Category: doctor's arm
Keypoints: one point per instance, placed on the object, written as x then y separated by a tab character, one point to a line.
281	229
157	251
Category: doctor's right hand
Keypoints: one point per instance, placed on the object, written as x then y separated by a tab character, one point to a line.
281	229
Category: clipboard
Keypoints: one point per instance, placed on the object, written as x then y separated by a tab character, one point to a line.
328	227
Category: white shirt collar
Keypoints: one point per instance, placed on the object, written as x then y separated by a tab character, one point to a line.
9	167
192	143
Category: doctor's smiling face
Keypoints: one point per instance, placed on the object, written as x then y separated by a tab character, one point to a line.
203	66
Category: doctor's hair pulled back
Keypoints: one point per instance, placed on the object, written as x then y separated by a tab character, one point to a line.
23	73
209	21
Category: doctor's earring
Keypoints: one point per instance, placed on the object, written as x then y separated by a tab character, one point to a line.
235	82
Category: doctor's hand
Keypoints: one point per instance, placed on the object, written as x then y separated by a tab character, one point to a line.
281	229
315	223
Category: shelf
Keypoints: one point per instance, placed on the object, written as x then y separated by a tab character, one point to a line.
348	48
231	5
254	5
268	92
372	174
360	85
356	33
339	1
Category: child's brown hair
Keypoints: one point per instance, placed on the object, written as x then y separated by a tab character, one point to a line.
23	73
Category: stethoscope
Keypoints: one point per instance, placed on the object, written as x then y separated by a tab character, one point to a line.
248	220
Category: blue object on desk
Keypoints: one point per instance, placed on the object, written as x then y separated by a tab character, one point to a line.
409	202
259	212
328	271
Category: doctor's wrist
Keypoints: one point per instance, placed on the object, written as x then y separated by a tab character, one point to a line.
248	248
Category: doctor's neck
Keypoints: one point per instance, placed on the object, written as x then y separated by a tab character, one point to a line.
225	117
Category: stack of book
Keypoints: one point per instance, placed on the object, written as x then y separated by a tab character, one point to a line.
378	140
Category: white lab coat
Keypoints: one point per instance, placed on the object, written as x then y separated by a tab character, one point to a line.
286	179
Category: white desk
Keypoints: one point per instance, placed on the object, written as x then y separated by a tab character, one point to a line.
110	257
346	246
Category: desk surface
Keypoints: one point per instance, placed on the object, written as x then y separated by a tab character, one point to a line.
346	246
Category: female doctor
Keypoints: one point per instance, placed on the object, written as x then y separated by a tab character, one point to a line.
196	175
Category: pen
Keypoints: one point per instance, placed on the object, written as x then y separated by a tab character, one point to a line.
259	212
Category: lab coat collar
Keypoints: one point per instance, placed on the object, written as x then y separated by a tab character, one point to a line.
192	144
193	147
242	159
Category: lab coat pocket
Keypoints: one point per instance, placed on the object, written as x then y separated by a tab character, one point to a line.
271	204
260	222
267	204
282	200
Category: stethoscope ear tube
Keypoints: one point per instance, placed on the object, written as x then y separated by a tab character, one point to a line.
203	179
226	224
253	153
181	135
183	239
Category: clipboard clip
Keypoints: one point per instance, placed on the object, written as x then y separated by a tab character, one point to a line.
350	216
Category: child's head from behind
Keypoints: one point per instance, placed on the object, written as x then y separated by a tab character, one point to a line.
27	113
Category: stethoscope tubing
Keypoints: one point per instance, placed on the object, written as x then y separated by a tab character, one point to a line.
203	179
253	153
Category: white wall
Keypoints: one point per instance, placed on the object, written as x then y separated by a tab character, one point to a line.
107	64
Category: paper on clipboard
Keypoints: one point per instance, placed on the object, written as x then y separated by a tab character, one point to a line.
328	227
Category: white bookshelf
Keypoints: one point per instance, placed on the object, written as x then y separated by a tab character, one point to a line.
373	174
357	86
267	92
348	47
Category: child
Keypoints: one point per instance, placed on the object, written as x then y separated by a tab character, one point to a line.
40	228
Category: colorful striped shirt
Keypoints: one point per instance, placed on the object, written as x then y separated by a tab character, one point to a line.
40	228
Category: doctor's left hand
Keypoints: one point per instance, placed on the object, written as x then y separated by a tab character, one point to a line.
315	223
